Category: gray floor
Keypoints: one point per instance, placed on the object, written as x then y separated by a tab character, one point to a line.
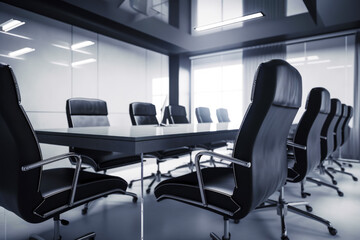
116	217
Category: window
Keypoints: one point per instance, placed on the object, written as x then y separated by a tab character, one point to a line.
217	83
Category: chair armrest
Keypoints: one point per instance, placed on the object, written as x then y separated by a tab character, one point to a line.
295	145
57	158
212	154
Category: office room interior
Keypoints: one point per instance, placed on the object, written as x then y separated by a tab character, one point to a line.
179	119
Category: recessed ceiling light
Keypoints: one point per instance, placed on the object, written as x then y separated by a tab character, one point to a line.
82	45
11	24
82	62
230	21
21	51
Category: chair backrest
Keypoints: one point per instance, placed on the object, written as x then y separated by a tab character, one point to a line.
308	133
86	112
177	114
346	127
222	115
142	113
338	127
19	191
203	115
327	131
276	98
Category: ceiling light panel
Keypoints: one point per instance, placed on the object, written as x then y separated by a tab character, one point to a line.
11	24
21	51
81	45
230	21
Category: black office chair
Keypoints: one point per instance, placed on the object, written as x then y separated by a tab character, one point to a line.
307	152
327	136
87	112
203	116
222	115
345	136
145	114
338	141
259	159
26	189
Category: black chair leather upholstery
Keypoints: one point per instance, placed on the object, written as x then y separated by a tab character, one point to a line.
339	126
308	134
87	112
177	114
234	192
203	115
346	127
222	115
143	114
327	131
37	195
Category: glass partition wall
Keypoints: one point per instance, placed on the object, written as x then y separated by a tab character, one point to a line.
54	61
225	79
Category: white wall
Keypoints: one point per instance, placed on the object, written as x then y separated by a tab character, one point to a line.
120	74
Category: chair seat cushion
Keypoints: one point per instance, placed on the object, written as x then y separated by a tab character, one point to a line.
55	187
212	145
219	187
102	160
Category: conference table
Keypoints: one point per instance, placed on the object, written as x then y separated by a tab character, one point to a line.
137	140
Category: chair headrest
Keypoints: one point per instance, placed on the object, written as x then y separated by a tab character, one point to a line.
143	109
336	106
176	110
6	69
278	82
320	100
86	106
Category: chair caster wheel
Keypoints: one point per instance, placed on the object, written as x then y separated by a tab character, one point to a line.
332	231
309	208
341	194
343	169
84	211
334	182
236	221
350	165
148	190
305	194
285	238
355	179
134	200
130	185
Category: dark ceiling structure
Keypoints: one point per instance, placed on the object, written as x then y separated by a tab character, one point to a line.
107	18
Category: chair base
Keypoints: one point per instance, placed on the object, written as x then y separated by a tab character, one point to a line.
154	176
343	172
226	236
320	183
212	162
282	207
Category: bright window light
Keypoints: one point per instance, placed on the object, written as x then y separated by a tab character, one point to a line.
82	62
81	45
21	51
230	21
11	24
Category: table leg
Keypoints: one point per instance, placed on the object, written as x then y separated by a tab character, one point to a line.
142	196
